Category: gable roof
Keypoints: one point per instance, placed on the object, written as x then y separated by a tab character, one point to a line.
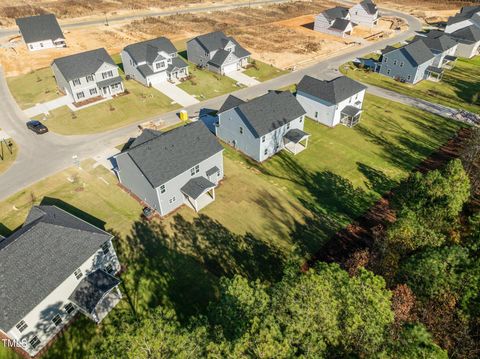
219	58
171	153
469	34
334	91
230	103
416	52
40	256
440	43
146	135
145	50
82	64
266	113
340	24
369	6
338	12
218	40
39	28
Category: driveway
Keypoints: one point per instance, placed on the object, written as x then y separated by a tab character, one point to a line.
176	94
46	107
240	77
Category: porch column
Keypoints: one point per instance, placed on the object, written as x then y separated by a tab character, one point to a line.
213	193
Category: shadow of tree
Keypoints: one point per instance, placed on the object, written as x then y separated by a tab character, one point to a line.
377	180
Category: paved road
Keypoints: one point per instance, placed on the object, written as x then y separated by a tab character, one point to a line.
187	10
41	156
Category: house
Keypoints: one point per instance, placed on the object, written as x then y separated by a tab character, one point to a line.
55	266
217	52
442	46
334	102
410	63
169	169
88	75
468	40
364	13
335	21
468	16
41	32
153	61
263	126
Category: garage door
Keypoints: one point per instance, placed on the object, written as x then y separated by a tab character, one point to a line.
158	78
230	68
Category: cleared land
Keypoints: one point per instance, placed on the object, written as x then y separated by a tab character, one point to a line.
459	87
7	154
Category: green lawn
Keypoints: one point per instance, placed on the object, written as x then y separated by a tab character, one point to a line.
8	154
262	213
262	71
456	89
36	87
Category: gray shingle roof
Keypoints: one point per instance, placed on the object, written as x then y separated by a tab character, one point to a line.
39	256
40	28
219	58
145	136
218	40
295	135
171	153
369	6
440	43
338	12
145	50
340	24
351	111
212	171
83	64
197	186
110	81
230	103
92	288
469	34
334	91
177	63
266	113
416	52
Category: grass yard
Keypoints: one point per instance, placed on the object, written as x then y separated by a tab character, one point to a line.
263	213
262	71
8	154
456	90
36	87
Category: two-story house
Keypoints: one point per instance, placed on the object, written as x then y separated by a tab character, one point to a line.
410	63
167	170
442	46
468	16
263	126
334	102
41	32
364	13
217	52
55	266
88	75
335	21
468	41
153	61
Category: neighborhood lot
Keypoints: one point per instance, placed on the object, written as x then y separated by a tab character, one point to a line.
287	204
458	88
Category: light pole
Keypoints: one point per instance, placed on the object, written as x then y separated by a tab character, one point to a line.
106	19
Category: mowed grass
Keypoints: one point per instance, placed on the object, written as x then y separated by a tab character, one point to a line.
8	154
262	71
36	87
456	90
263	213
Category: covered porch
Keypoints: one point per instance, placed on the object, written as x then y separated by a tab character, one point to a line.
199	192
96	295
295	141
434	74
350	116
111	86
449	62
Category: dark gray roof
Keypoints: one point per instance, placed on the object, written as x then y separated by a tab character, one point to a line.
40	28
110	81
434	69
334	91
83	64
369	6
416	52
266	113
219	58
40	256
197	186
171	153
177	63
440	43
295	135
92	288
212	171
469	34
147	50
218	40
351	111
145	136
230	103
145	70
340	24
338	12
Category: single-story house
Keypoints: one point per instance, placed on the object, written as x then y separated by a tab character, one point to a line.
364	13
41	32
335	21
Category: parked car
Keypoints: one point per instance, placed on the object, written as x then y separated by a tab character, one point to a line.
37	127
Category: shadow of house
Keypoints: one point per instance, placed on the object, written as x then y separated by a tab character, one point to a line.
309	25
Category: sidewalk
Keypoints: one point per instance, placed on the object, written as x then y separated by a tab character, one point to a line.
176	94
45	108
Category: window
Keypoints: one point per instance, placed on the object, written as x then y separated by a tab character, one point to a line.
195	170
69	308
301	119
288	125
109	268
80	95
90	78
21	326
93	91
34	342
78	273
263	139
241	130
409	77
41	44
76	82
31	47
388	72
57	320
385	59
106	247
316	114
402	63
172	200
115	86
394	62
162	188
265	152
107	74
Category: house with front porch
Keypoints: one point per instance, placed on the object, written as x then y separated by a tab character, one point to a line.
153	61
55	266
166	170
338	101
442	46
217	52
364	13
263	126
335	21
87	75
41	32
468	41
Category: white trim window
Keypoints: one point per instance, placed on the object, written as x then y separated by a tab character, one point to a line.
195	170
109	268
76	82
57	320
21	326
162	188
34	342
93	91
172	200
69	308
90	78
78	273
106	247
80	95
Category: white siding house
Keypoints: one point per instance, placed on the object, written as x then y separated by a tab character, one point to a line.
335	21
41	32
364	13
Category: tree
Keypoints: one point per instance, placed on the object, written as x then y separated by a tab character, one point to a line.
470	156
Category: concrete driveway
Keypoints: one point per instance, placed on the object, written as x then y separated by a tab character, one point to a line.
176	94
46	107
240	77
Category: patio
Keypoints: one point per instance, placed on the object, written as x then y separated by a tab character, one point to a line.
296	141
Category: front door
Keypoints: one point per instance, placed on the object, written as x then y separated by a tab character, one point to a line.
106	91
